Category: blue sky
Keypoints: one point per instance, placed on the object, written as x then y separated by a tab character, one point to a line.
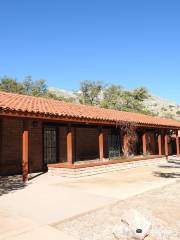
128	42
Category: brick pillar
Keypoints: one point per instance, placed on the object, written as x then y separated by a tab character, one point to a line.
25	150
177	143
125	144
69	139
166	145
101	143
144	142
160	144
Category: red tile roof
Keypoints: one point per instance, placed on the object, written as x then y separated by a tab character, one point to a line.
16	103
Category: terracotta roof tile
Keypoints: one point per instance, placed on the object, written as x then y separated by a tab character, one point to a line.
36	105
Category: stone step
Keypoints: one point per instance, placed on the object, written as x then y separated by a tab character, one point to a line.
88	171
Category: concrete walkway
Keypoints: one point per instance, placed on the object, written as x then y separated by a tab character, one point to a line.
30	212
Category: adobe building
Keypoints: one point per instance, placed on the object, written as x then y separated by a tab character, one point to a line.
38	133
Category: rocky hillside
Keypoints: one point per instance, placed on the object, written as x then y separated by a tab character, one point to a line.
161	107
61	92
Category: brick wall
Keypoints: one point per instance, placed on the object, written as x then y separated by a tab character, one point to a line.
36	147
87	143
62	144
11	146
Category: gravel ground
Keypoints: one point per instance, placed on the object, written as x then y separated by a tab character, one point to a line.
160	206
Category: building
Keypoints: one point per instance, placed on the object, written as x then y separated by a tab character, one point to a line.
38	133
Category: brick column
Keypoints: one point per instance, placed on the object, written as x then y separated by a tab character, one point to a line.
160	144
177	143
69	139
101	143
144	142
166	145
25	150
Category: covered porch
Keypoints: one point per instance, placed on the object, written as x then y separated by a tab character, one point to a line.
29	145
92	145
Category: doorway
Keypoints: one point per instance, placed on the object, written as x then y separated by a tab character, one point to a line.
50	145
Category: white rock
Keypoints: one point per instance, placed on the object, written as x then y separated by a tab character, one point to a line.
134	226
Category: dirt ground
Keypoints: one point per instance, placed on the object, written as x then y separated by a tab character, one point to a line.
37	210
161	206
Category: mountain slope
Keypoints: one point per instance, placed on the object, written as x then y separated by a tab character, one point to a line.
163	107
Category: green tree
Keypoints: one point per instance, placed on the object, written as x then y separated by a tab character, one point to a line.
90	92
117	98
140	94
28	85
134	100
10	85
112	97
39	88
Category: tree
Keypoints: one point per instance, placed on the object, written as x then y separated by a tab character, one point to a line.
90	92
127	100
140	94
112	97
28	85
133	101
116	98
10	85
39	88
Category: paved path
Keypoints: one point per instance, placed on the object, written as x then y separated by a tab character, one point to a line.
30	212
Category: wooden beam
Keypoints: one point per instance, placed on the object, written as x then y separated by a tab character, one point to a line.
25	150
144	142
166	145
101	144
177	143
69	145
160	144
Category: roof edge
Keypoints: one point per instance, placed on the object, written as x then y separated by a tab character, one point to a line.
68	119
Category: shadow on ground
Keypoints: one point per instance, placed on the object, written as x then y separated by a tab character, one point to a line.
167	175
172	163
10	183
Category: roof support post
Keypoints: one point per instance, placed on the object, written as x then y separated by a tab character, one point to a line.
25	150
166	145
177	143
160	144
1	138
101	143
144	142
69	139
